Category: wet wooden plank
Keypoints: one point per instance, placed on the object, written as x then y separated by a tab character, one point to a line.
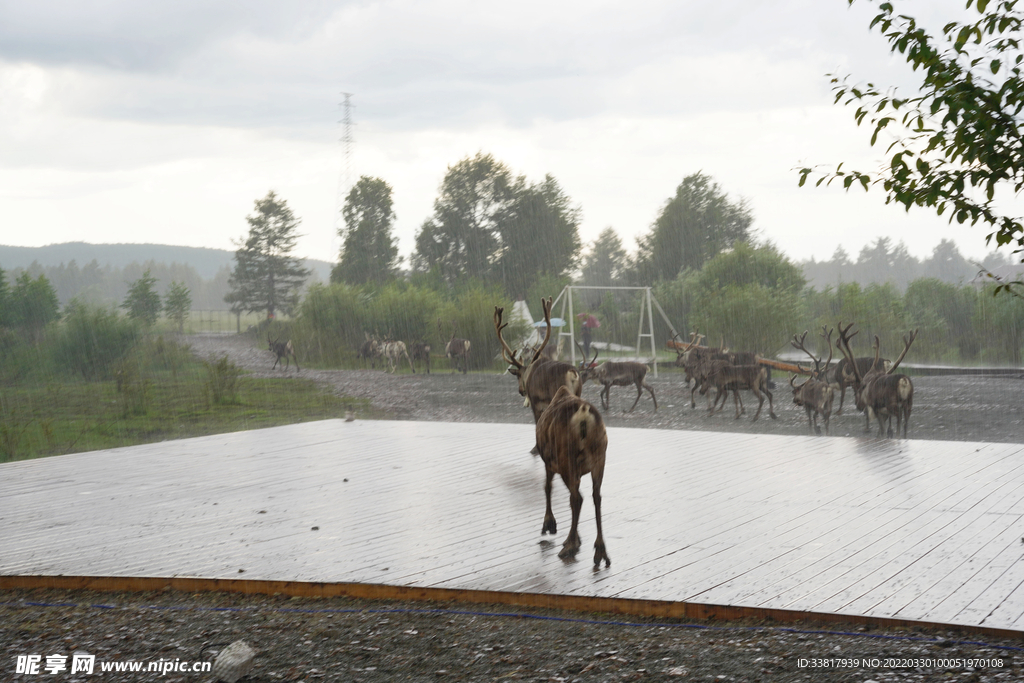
909	529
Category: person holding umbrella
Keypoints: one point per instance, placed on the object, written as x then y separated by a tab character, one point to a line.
589	323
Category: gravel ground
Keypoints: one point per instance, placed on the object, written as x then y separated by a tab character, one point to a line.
357	640
360	640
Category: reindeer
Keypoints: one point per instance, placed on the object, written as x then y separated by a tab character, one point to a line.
393	352
539	379
815	394
369	350
283	351
456	349
727	377
881	394
696	362
616	374
572	441
842	376
421	352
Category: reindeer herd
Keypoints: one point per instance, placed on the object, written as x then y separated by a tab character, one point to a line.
570	434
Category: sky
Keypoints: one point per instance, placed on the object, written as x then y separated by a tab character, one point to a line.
163	122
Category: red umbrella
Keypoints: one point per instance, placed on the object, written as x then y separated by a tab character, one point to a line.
589	320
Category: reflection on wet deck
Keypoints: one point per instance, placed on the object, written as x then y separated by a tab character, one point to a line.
912	530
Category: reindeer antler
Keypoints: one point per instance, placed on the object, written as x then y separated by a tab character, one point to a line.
507	354
545	305
906	347
844	346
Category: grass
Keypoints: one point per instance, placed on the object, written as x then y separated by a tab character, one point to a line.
70	415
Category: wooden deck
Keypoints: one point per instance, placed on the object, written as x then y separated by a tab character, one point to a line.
914	530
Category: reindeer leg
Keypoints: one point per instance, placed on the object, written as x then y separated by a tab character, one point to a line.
648	387
639	393
771	405
600	553
760	403
735	402
606	396
550	527
842	397
572	542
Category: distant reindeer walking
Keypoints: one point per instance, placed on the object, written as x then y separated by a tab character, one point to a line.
283	350
393	352
420	351
369	350
456	349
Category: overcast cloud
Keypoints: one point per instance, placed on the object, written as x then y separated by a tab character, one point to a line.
162	122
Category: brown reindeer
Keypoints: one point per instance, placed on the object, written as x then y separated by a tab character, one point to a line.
420	351
539	378
815	394
617	374
882	394
696	362
727	377
283	351
456	349
369	350
842	376
572	441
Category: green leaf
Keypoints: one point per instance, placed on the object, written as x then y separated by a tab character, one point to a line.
994	66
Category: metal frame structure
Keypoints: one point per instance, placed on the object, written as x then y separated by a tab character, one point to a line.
646	303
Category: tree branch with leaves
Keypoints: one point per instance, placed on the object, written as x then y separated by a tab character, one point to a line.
956	143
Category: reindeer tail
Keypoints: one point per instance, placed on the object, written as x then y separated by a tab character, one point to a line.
904	388
583	421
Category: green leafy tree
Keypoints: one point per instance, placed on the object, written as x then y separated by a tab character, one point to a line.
178	304
369	253
33	304
948	264
748	296
957	140
695	225
539	236
462	236
142	302
605	262
266	276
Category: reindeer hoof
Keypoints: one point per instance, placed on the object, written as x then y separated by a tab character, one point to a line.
535	451
550	527
601	554
568	551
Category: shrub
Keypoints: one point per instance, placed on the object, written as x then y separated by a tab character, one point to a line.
93	341
222	380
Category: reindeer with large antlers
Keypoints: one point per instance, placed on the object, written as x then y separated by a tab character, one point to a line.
539	379
456	349
815	394
881	394
572	441
616	374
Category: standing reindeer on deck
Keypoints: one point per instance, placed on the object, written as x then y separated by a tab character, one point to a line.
572	441
539	379
880	393
283	351
456	349
815	394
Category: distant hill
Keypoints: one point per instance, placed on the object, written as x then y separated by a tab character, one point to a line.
205	261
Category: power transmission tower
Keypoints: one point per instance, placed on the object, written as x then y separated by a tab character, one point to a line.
345	177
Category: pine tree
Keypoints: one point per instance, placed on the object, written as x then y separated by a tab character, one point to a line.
266	276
